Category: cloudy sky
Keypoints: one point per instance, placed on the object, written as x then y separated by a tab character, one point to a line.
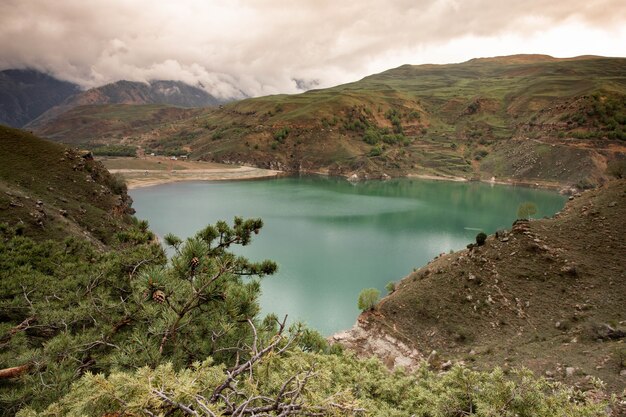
258	47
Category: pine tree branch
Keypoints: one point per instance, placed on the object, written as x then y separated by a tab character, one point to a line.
24	325
201	401
14	372
143	261
189	305
186	409
26	297
255	348
233	373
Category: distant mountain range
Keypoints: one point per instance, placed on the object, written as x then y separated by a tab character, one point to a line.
523	118
29	97
26	94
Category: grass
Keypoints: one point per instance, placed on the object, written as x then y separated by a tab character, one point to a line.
75	193
112	123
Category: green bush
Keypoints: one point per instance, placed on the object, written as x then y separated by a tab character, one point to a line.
368	298
118	184
281	134
480	154
480	239
390	287
371	136
115	150
125	309
375	151
218	134
584	184
392	139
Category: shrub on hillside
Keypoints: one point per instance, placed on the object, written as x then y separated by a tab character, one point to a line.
115	150
281	134
375	151
371	136
368	298
118	184
324	385
480	239
125	308
480	154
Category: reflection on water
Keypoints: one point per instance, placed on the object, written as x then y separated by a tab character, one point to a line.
332	238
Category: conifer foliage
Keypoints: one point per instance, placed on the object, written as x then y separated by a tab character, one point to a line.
68	309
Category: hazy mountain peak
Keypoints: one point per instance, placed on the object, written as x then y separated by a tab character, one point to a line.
25	94
166	92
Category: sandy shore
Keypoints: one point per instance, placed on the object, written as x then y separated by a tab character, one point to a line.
136	178
548	185
436	177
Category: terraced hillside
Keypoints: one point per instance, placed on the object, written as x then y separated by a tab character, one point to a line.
525	118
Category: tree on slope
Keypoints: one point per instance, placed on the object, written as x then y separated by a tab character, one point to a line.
68	309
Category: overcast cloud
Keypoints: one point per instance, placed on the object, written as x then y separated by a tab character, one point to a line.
258	47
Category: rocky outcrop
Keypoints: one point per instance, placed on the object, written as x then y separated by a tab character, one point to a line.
367	339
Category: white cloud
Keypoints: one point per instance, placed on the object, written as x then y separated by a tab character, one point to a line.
257	47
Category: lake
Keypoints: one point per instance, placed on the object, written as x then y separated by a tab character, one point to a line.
332	238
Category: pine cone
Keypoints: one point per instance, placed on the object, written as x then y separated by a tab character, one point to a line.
158	296
194	263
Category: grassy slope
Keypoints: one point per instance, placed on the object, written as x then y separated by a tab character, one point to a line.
499	304
503	108
78	197
123	123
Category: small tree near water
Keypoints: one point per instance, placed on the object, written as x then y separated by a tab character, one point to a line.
368	298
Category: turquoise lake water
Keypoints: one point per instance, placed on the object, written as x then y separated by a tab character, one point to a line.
332	238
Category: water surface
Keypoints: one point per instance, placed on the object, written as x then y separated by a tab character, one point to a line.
331	238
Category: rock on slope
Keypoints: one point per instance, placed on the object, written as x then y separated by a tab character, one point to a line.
548	294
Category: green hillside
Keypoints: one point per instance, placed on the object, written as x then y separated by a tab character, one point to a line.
83	124
49	191
527	118
95	322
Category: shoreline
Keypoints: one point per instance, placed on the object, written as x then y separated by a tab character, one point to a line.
546	185
140	178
